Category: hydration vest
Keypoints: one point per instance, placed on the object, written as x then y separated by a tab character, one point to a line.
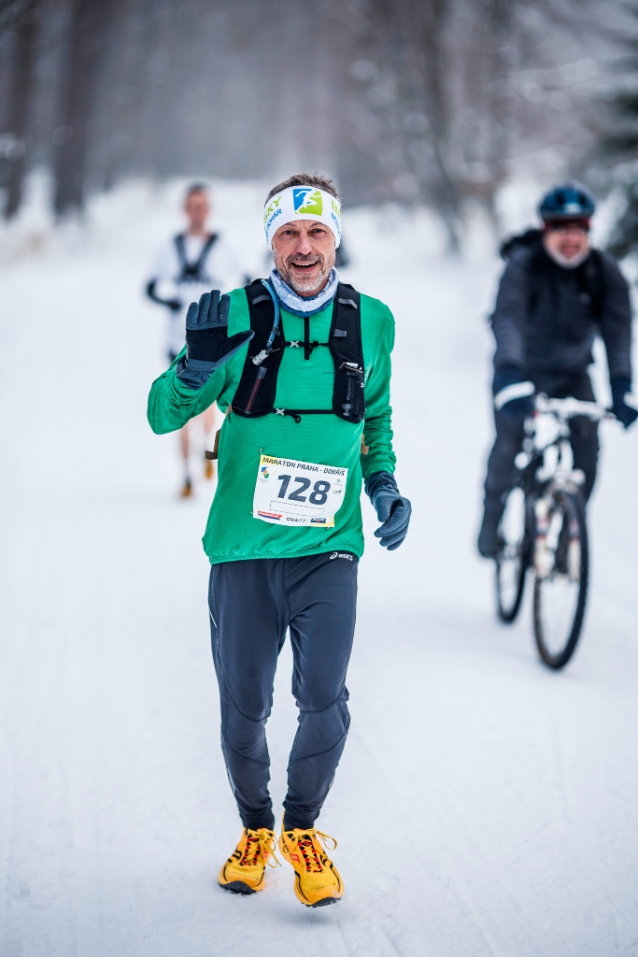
255	395
192	272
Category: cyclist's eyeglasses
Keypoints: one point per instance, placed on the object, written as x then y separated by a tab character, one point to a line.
571	226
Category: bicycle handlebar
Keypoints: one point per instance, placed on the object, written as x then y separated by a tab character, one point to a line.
565	409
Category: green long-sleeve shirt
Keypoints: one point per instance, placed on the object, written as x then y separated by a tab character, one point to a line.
232	533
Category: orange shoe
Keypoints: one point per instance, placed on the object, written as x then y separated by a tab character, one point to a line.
244	871
209	469
317	880
187	489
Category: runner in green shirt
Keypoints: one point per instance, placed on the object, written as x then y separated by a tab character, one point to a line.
301	365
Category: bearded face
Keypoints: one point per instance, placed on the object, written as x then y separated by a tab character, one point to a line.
304	254
305	273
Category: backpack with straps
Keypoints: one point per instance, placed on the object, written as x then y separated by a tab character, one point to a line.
255	395
192	272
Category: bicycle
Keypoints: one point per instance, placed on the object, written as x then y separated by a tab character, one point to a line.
543	528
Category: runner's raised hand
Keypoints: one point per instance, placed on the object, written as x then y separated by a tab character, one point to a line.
207	331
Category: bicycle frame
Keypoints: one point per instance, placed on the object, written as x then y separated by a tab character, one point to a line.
549	430
545	469
550	534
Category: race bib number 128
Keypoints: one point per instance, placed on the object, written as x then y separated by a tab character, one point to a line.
288	492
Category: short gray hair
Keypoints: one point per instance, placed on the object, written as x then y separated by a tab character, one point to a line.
318	180
197	188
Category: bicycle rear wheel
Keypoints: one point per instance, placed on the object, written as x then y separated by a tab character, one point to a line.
513	556
562	576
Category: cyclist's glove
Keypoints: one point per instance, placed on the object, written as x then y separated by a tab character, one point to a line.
513	393
207	343
624	404
392	509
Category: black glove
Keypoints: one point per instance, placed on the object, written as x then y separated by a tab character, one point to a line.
207	344
391	508
513	393
623	402
207	331
173	304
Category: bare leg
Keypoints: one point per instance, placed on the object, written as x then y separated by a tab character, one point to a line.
208	422
184	445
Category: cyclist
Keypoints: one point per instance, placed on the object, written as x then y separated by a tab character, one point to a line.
556	295
284	534
190	264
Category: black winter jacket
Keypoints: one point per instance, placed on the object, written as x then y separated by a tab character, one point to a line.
547	317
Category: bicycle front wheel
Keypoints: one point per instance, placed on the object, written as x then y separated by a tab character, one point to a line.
513	556
561	562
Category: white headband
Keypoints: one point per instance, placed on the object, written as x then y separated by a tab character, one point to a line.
302	202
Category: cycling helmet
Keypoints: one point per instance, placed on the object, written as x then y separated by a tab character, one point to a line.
567	201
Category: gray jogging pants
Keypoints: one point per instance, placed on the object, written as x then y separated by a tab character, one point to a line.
252	604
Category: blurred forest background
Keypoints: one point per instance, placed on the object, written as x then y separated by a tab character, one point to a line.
437	102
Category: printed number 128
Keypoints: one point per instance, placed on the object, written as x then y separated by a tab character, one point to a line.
318	496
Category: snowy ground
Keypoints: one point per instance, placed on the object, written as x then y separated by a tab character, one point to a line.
484	806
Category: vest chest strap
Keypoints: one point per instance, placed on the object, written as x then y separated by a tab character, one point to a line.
309	346
256	392
297	413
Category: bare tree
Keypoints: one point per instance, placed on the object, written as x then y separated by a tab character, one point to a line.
433	102
423	37
87	36
449	97
406	61
23	19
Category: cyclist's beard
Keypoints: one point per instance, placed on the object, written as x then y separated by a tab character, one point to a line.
299	283
571	262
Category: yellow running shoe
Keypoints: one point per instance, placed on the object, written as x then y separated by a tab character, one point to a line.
317	880
244	871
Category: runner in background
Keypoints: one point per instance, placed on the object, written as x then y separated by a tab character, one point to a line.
187	266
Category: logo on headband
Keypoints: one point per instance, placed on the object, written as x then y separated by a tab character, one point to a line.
307	200
335	215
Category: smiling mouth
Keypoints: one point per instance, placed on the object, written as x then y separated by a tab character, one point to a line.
305	266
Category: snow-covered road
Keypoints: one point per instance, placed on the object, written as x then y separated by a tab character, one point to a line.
484	806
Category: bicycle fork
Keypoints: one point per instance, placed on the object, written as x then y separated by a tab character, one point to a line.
547	538
543	559
573	553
